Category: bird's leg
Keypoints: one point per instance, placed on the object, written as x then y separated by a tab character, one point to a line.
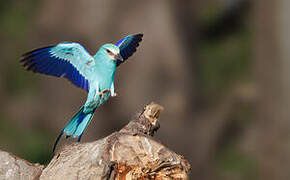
112	89
103	92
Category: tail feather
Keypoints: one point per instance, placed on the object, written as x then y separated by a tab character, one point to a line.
56	141
76	126
82	125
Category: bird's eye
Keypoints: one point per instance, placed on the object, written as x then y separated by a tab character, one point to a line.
109	52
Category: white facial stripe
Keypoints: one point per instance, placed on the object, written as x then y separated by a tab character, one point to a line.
111	56
114	51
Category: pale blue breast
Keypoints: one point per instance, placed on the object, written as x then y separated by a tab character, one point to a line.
104	72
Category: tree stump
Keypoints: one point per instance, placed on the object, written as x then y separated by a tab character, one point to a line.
130	153
14	168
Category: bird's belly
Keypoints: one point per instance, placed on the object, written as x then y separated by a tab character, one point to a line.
95	98
102	82
105	84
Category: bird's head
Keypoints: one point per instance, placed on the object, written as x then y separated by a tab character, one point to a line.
112	51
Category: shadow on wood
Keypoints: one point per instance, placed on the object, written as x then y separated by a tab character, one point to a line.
130	153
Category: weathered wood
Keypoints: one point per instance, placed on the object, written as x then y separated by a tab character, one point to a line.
130	153
12	167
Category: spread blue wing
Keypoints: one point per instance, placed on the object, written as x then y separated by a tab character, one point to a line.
69	60
128	46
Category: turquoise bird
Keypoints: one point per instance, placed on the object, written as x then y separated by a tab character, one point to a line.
94	74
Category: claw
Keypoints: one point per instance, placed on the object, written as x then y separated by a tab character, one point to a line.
114	95
102	93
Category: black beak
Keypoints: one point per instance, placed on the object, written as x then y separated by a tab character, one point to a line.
119	57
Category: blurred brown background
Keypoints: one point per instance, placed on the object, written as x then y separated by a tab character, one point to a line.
219	67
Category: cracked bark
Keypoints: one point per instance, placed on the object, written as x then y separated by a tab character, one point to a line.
12	167
130	153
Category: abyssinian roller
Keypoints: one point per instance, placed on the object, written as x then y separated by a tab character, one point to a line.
95	74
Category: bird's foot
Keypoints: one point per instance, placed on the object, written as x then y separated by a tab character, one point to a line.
102	93
114	95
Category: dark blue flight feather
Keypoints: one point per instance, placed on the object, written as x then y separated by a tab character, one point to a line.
128	46
44	61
